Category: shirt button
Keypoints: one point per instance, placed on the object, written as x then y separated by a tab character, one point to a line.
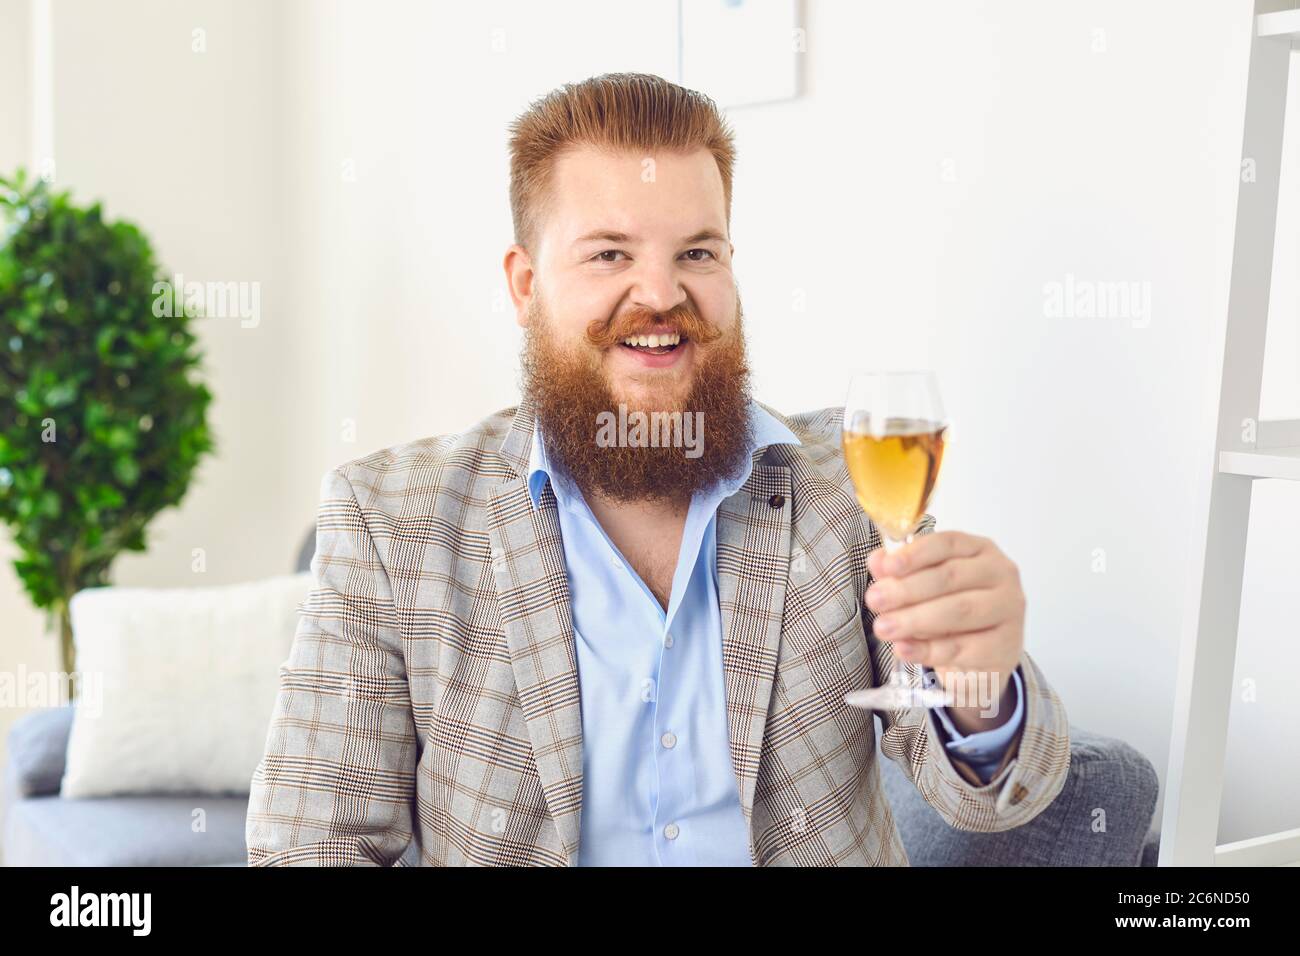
668	641
671	831
614	561
669	740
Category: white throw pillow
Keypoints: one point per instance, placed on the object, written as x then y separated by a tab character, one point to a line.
177	685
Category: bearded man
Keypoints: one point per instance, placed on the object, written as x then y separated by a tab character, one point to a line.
565	636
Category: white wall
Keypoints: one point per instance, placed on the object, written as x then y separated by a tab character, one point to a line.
183	143
1070	435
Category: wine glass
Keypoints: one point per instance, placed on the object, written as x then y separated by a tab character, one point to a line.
893	434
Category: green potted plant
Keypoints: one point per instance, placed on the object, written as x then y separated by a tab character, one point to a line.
103	414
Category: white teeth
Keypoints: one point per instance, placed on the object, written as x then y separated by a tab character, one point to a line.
654	341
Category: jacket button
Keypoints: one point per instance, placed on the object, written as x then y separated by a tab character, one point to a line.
1019	793
776	501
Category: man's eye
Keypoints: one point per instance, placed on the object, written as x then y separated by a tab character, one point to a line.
607	255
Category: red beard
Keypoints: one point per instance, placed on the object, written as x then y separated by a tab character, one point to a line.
574	406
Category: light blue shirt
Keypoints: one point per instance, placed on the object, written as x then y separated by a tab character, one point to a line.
657	783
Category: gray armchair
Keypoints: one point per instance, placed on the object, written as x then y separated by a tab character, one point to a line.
43	829
1104	773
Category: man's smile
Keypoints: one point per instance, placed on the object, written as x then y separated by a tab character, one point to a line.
654	356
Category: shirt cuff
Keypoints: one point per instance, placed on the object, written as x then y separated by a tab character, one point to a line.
983	750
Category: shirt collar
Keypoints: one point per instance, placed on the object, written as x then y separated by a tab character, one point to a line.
767	430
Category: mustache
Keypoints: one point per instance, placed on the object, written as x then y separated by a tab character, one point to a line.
684	319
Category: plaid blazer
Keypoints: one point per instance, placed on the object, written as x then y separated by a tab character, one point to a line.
428	712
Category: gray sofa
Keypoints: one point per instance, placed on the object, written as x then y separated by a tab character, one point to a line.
43	829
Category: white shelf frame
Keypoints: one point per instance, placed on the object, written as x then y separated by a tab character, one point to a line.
1203	696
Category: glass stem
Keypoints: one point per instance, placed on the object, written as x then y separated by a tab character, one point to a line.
891	544
899	677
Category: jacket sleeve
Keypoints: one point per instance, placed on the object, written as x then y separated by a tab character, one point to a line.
336	785
1033	769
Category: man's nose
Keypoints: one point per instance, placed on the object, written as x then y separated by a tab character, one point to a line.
656	288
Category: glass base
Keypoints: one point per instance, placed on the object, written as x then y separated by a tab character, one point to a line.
899	697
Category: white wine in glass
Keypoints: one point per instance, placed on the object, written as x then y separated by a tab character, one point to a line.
893	432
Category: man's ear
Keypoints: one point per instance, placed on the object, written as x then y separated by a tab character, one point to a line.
518	265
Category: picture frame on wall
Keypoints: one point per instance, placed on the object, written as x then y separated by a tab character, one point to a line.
741	52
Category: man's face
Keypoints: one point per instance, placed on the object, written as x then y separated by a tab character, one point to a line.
634	245
628	238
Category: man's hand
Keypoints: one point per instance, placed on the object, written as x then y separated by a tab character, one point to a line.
951	601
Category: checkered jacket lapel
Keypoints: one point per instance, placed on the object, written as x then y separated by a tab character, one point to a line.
753	534
532	584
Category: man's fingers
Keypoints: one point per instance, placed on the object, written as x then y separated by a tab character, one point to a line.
945	616
924	551
959	574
